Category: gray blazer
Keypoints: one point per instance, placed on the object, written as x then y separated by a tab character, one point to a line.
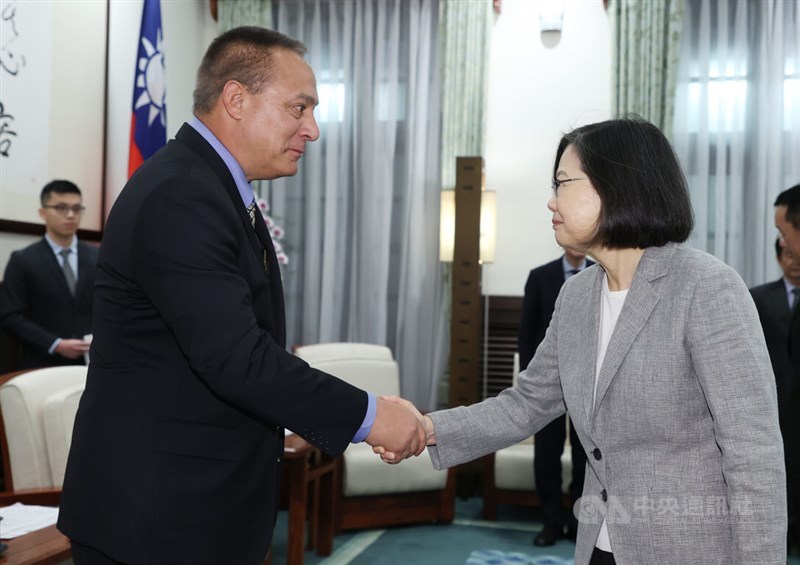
685	453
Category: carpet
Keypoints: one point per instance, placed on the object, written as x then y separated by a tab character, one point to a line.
438	544
497	557
469	540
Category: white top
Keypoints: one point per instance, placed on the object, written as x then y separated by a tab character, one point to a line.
611	305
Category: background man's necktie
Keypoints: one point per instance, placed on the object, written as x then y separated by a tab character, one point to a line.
69	274
795	298
573	272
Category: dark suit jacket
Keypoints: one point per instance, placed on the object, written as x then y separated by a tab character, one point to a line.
37	307
178	439
541	291
791	429
773	310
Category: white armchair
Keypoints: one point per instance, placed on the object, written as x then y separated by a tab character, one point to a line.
38	411
59	418
371	493
508	473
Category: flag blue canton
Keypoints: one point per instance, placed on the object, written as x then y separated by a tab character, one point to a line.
149	121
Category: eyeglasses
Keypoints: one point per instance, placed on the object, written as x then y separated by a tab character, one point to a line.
65	209
556	183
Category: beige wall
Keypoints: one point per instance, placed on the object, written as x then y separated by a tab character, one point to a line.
188	29
540	86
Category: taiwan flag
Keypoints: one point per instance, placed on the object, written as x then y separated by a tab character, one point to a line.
149	118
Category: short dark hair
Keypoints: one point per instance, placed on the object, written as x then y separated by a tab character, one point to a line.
778	248
58	187
791	199
632	166
242	54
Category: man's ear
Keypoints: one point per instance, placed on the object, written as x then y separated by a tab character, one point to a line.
41	213
232	97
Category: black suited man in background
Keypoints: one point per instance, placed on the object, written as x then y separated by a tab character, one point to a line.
787	220
46	295
541	291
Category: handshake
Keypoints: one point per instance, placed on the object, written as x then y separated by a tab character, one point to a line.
399	430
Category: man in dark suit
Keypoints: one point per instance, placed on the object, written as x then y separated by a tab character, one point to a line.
46	295
787	220
541	292
178	439
775	302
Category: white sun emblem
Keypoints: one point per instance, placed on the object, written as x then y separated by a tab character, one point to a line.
150	77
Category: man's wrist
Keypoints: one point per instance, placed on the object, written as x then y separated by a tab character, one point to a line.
369	419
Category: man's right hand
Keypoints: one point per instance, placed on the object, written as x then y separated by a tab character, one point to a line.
72	348
398	430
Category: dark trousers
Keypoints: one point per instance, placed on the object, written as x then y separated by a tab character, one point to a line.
549	446
85	555
600	557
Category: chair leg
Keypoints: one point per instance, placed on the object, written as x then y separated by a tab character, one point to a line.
447	499
324	541
489	489
313	513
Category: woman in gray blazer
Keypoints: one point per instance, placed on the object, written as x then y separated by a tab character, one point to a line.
657	354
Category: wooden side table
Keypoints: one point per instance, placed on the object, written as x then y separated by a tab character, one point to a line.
308	471
47	546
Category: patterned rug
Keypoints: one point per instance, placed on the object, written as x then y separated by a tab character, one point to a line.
496	557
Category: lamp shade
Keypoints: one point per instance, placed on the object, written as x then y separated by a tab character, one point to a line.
488	225
447	226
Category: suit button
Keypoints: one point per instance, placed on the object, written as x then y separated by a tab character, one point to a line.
597	455
604	495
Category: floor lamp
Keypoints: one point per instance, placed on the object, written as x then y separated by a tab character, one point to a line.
467	239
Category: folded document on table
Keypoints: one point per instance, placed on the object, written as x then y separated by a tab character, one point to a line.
19	519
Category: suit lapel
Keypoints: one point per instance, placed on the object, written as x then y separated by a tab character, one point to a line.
259	238
639	304
272	268
556	274
83	268
779	302
196	143
588	339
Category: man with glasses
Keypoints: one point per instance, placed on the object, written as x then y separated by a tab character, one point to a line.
46	293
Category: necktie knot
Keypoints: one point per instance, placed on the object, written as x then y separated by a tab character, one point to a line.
573	272
251	209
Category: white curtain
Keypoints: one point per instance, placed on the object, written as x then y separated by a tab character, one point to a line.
361	215
737	125
646	50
